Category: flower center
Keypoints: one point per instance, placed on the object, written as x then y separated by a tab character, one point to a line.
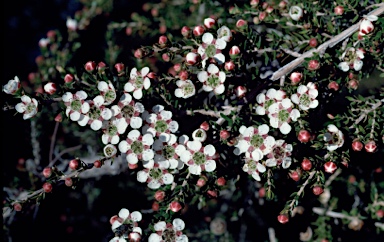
112	130
94	113
278	152
139	82
109	151
268	103
252	165
168	151
305	99
213	81
155	173
30	107
76	105
210	51
161	126
109	96
188	89
199	158
283	115
169	235
256	141
137	147
128	111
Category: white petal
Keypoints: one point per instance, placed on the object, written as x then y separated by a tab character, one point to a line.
295	99
185	156
220	89
220	58
194	169
83	120
179	92
81	95
75	116
213	69
285	128
261	168
115	139
256	176
314	104
260	110
138	94
207	38
194	145
134	134
271	162
96	125
144	71
173	126
286	103
274	108
260	98
160	226
154	238
302	89
20	107
332	128
202	76
274	122
295	114
263	129
136	216
123	146
132	158
123	213
129	87
210	165
220	44
271	93
209	150
146	83
178	224
148	155
102	86
105	138
142	176
257	154
168	178
136	122
154	184
133	73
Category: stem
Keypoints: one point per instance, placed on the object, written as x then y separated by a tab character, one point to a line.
322	211
321	49
301	190
373	125
53	141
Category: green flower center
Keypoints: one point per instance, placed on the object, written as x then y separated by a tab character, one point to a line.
30	107
210	51
199	158
268	103
278	152
213	81
109	151
76	105
161	126
155	173
168	152
257	141
252	165
188	89
109	96
169	235
128	111
139	82
94	113
305	99
112	130
283	115
137	147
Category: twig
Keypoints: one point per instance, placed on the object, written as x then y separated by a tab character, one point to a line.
301	190
330	43
322	211
53	142
63	152
332	177
364	114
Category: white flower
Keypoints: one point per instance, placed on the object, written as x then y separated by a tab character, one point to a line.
127	225
351	58
129	110
267	99
253	168
110	150
96	114
198	158
113	129
295	12
185	89
169	232
107	90
306	96
12	86
224	33
199	135
213	79
76	105
154	175
211	48
254	142
281	114
160	123
28	107
137	147
167	153
138	81
280	155
334	138
71	24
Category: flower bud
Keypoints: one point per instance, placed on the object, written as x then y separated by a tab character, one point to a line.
304	136
177	67
229	66
295	77
333	86
119	67
17	207
165	57
50	88
370	146
353	84
183	75
47	187
234	51
212	193
221	181
240	91
262	16
294	175
254	3
59	117
295	12
317	190
198	30
138	54
339	10
313	42
306	164
159	195
283	218
366	26
68	78
97	163
330	167
74	164
313	65
357	145
47	172
175	206
209	22
204	125
163	40
90	66
191	58
68	182
269	9
185	31
241	24
224	134
155	207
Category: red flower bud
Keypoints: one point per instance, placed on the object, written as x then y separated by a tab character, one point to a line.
183	75
240	91
159	195
90	66
224	134
212	193
221	181
68	78
317	190
185	31
313	42
47	187
313	65
201	181
119	67
241	23
204	125
262	16
295	77
304	136
339	10
198	30
68	182
50	88
17	207
306	164
283	218
74	164
175	206
357	145
47	172
59	117
229	65
163	40
370	146
333	86
294	175
97	163
330	167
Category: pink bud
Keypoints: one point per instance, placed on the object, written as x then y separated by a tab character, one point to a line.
212	193
119	67
204	125
294	175
240	91
165	57
59	118
209	22
339	10
234	51
175	206
201	181
159	195
191	58
304	136
163	40
198	30
313	65
283	218
183	75
185	31
50	88
177	67
330	167
366	26
221	181
68	78
333	86
269	9
224	134
90	66
254	3
241	23
229	65
295	77
370	146
262	16
282	4
138	53
357	145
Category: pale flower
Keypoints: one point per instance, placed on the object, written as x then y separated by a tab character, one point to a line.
306	96
76	105
253	168
254	142
265	100
129	110
224	33
211	49
112	130
334	138
137	147
185	89
107	90
213	79
169	232
351	58
138	81
167	154
295	12
280	155
12	86
199	158
154	175
281	114
28	107
110	150
127	225
96	114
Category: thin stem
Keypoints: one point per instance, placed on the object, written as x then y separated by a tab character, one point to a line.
53	139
